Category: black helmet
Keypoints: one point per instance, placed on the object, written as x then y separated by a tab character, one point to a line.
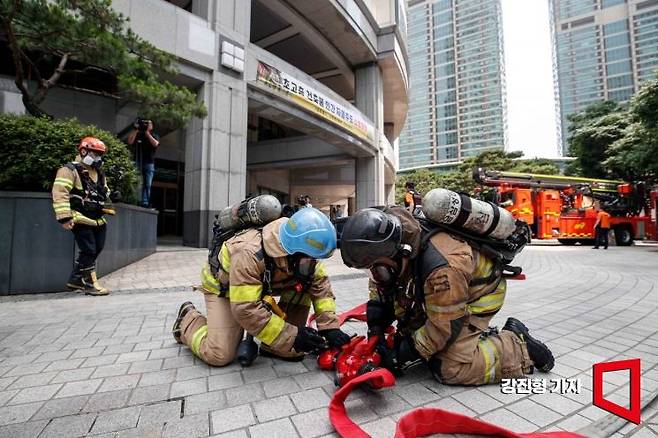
369	235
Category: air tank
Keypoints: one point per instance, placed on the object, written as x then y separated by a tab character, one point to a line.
461	211
254	211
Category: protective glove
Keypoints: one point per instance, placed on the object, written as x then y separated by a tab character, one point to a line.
399	358
308	340
335	337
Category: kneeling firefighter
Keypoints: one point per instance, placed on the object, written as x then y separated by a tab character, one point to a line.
80	199
443	288
279	258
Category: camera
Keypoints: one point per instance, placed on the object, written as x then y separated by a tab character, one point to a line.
142	124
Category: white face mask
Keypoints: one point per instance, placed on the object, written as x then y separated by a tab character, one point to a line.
91	158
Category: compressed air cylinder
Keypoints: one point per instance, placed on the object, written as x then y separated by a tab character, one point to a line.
250	212
461	211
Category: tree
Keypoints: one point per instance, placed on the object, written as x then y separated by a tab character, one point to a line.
591	132
64	43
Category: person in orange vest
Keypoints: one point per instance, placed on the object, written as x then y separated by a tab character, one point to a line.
601	227
412	199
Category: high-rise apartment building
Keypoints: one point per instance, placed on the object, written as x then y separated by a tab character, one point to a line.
457	102
603	50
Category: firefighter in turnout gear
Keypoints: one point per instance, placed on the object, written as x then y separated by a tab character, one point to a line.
279	259
80	200
443	294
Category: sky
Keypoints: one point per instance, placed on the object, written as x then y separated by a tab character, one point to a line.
531	115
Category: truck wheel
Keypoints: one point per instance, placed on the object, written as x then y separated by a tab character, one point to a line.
623	235
568	242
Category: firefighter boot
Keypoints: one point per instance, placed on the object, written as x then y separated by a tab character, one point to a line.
289	356
97	286
75	279
539	353
91	286
184	309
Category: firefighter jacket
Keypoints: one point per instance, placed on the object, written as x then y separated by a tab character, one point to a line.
83	197
460	286
240	278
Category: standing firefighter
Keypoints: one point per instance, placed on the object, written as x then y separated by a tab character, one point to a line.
412	199
278	259
80	200
443	293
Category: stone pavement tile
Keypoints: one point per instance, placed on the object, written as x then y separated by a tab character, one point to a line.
61	407
160	413
119	349
244	394
557	402
111	421
149	394
5	382
66	364
312	379
231	418
5	396
382	428
644	432
286	369
119	382
313	423
107	400
23	430
21	359
151	345
280	386
477	401
23	370
309	399
187	427
258	374
593	413
179	362
72	426
273	408
158	377
495	392
416	394
35	394
107	341
189	387
275	429
134	356
52	356
385	402
79	388
87	352
205	402
163	353
106	359
18	413
449	404
538	414
359	411
224	381
149	431
240	433
145	366
509	420
194	372
117	369
574	422
72	375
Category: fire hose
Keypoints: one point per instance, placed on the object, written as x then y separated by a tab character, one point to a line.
356	364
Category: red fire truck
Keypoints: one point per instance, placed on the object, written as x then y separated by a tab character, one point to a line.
562	207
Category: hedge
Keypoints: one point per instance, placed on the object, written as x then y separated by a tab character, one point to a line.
33	148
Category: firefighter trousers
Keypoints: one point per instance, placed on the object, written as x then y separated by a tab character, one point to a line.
479	356
215	338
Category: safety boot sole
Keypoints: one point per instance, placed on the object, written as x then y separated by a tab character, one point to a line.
539	353
182	311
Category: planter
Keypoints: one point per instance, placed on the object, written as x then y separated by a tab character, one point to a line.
37	254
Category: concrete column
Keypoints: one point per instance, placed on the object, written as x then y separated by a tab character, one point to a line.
370	170
216	147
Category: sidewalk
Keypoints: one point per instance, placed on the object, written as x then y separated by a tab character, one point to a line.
108	366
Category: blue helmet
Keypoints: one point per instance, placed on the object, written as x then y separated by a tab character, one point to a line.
308	232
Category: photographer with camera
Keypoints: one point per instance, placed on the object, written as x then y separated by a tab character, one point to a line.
145	142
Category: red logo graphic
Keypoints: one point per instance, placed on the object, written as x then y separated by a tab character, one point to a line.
633	365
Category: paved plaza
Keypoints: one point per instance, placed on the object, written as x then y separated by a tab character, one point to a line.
72	365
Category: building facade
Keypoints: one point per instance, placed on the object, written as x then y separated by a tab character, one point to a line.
603	50
457	102
303	98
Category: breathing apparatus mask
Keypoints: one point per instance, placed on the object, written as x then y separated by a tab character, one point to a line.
303	267
93	159
385	273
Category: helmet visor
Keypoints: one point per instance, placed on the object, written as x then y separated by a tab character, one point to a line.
305	267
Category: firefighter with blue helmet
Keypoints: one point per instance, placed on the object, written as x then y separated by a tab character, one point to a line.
279	259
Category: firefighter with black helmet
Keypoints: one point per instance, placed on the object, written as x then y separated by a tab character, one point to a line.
443	293
80	200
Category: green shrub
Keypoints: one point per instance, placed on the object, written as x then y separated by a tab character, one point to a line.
33	148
